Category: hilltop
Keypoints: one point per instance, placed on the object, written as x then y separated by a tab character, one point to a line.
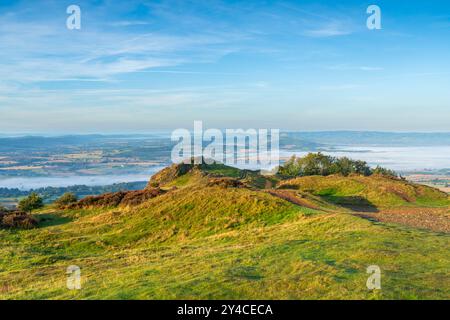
213	231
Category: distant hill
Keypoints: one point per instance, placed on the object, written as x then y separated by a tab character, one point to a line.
365	138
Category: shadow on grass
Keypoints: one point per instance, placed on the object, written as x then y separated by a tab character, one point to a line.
49	220
354	203
245	272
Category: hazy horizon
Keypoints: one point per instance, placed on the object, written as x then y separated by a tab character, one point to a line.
5	134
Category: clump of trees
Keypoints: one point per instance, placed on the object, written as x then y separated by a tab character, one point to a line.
65	200
30	203
323	165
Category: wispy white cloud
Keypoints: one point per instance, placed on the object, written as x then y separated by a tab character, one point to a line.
328	30
128	23
321	21
346	67
34	53
106	74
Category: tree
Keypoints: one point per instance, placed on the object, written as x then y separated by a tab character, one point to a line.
66	199
343	166
290	168
315	164
30	203
361	167
309	165
346	166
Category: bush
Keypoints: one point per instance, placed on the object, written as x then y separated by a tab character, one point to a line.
134	198
114	199
17	220
153	184
384	172
225	182
30	203
65	200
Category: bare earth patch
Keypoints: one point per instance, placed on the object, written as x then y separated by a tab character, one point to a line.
292	197
434	219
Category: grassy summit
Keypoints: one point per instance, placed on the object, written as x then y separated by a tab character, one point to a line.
219	232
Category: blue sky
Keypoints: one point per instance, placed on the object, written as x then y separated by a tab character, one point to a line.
137	66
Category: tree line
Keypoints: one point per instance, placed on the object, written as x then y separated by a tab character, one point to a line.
323	165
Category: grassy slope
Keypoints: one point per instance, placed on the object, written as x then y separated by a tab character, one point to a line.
373	190
212	242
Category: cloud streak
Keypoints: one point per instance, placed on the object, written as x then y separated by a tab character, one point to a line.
328	30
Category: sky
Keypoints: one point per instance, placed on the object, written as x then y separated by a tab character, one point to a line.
139	66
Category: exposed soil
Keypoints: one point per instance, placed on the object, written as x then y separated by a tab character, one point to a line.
434	219
294	198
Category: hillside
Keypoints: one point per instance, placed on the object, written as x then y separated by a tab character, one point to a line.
375	190
218	232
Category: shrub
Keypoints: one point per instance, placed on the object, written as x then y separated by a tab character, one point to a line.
134	198
30	203
114	199
111	199
65	200
17	220
225	182
153	184
384	172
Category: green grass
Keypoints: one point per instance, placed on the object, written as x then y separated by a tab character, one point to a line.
217	243
223	170
373	190
184	180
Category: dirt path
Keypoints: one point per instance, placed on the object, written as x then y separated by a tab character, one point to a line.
293	198
434	219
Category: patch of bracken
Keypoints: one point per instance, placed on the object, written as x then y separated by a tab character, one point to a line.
225	182
134	198
115	199
17	220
